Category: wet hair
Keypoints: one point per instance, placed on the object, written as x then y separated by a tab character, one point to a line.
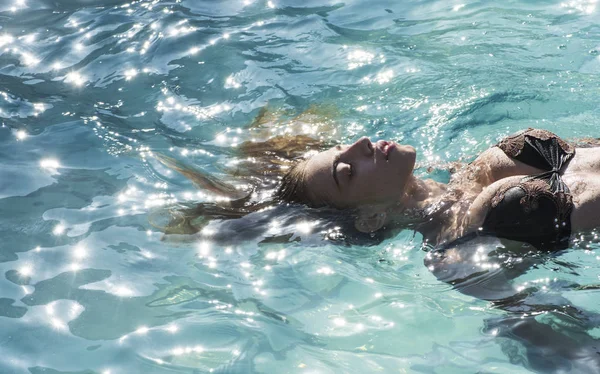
246	216
293	187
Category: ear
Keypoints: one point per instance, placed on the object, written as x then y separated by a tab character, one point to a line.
368	222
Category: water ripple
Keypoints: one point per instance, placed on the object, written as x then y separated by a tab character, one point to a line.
93	95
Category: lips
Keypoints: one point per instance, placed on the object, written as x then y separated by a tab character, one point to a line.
386	147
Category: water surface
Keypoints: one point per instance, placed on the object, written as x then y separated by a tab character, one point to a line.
90	90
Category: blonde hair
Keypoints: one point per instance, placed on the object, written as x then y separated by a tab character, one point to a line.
293	186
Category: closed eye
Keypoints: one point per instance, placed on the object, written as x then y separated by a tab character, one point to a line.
347	168
336	161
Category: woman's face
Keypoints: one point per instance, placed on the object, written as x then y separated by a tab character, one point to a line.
359	174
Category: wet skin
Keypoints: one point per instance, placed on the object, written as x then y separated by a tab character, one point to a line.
361	173
376	174
581	175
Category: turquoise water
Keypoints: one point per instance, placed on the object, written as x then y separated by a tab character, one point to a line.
89	90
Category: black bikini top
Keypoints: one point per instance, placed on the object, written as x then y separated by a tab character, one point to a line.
537	208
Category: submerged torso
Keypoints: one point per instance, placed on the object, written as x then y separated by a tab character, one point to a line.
537	193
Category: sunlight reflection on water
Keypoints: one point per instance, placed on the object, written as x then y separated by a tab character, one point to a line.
94	95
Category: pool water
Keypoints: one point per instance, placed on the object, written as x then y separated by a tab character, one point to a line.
91	90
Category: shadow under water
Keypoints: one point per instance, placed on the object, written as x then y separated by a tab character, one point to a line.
539	328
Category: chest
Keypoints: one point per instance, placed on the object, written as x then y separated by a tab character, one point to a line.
483	182
491	166
534	207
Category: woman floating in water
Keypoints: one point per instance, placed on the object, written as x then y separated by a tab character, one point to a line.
532	187
533	190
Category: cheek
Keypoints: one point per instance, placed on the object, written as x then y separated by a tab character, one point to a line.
381	185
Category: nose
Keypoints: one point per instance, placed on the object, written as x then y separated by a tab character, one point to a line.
362	146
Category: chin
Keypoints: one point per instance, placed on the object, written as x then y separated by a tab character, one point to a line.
411	151
412	159
407	156
405	169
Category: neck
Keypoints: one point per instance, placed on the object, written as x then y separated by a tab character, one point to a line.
419	203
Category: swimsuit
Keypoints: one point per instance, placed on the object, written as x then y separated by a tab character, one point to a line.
537	208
